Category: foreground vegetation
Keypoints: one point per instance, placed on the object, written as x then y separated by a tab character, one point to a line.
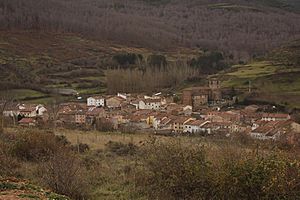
147	167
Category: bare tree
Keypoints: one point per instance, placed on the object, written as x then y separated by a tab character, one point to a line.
54	109
5	100
64	174
244	30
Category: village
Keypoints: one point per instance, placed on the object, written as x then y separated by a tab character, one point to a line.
201	111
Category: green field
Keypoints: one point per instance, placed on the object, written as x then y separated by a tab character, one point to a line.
274	79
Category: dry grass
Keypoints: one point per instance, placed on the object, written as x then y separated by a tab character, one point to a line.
97	140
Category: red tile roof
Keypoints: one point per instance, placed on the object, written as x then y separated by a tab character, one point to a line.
27	121
276	115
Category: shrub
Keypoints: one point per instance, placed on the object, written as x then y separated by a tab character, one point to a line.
157	60
210	62
64	174
104	125
80	148
173	171
35	146
9	165
126	58
121	149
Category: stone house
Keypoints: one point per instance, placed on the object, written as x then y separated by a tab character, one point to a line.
114	102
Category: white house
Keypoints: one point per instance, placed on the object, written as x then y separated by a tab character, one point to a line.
30	110
274	129
164	123
275	117
194	126
150	104
123	96
97	101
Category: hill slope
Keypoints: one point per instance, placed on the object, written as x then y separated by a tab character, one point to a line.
34	64
274	79
209	24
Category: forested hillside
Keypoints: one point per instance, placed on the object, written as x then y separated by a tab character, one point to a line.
243	29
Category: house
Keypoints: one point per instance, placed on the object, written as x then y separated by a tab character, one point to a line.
135	103
164	126
72	113
209	128
273	130
201	96
95	112
250	117
179	122
117	120
257	124
157	119
213	127
194	126
114	102
139	122
72	106
80	117
187	110
150	104
228	116
97	101
252	108
275	117
123	96
27	122
238	128
29	110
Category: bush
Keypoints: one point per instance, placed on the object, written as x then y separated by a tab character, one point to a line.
121	149
173	171
157	60
210	62
64	174
127	58
9	165
36	146
80	148
104	125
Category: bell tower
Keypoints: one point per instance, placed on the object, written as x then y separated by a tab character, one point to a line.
214	84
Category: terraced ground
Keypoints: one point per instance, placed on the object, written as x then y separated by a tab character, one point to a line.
274	79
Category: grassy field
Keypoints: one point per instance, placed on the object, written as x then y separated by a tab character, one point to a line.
98	140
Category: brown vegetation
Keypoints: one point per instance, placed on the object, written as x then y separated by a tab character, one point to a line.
177	172
158	168
241	28
150	79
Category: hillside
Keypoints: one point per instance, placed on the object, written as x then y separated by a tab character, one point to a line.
161	24
275	78
292	5
35	65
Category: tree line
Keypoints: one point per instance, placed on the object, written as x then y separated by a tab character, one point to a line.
148	79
